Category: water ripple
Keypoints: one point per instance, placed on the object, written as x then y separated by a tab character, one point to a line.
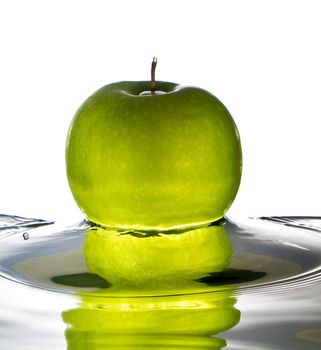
12	224
281	255
312	223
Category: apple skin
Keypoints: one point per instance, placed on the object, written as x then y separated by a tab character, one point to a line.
153	161
169	263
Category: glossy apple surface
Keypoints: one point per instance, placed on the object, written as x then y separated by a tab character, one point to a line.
143	161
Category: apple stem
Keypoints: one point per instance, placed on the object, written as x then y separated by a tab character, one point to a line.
152	81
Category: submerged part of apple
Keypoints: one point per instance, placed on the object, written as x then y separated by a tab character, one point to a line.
153	161
170	262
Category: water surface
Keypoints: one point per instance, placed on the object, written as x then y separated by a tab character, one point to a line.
266	297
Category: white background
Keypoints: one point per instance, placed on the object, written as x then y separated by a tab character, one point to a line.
262	59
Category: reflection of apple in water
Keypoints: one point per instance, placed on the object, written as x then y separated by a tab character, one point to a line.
163	261
171	322
153	161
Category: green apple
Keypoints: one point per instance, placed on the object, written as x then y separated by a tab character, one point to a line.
170	322
134	262
153	161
